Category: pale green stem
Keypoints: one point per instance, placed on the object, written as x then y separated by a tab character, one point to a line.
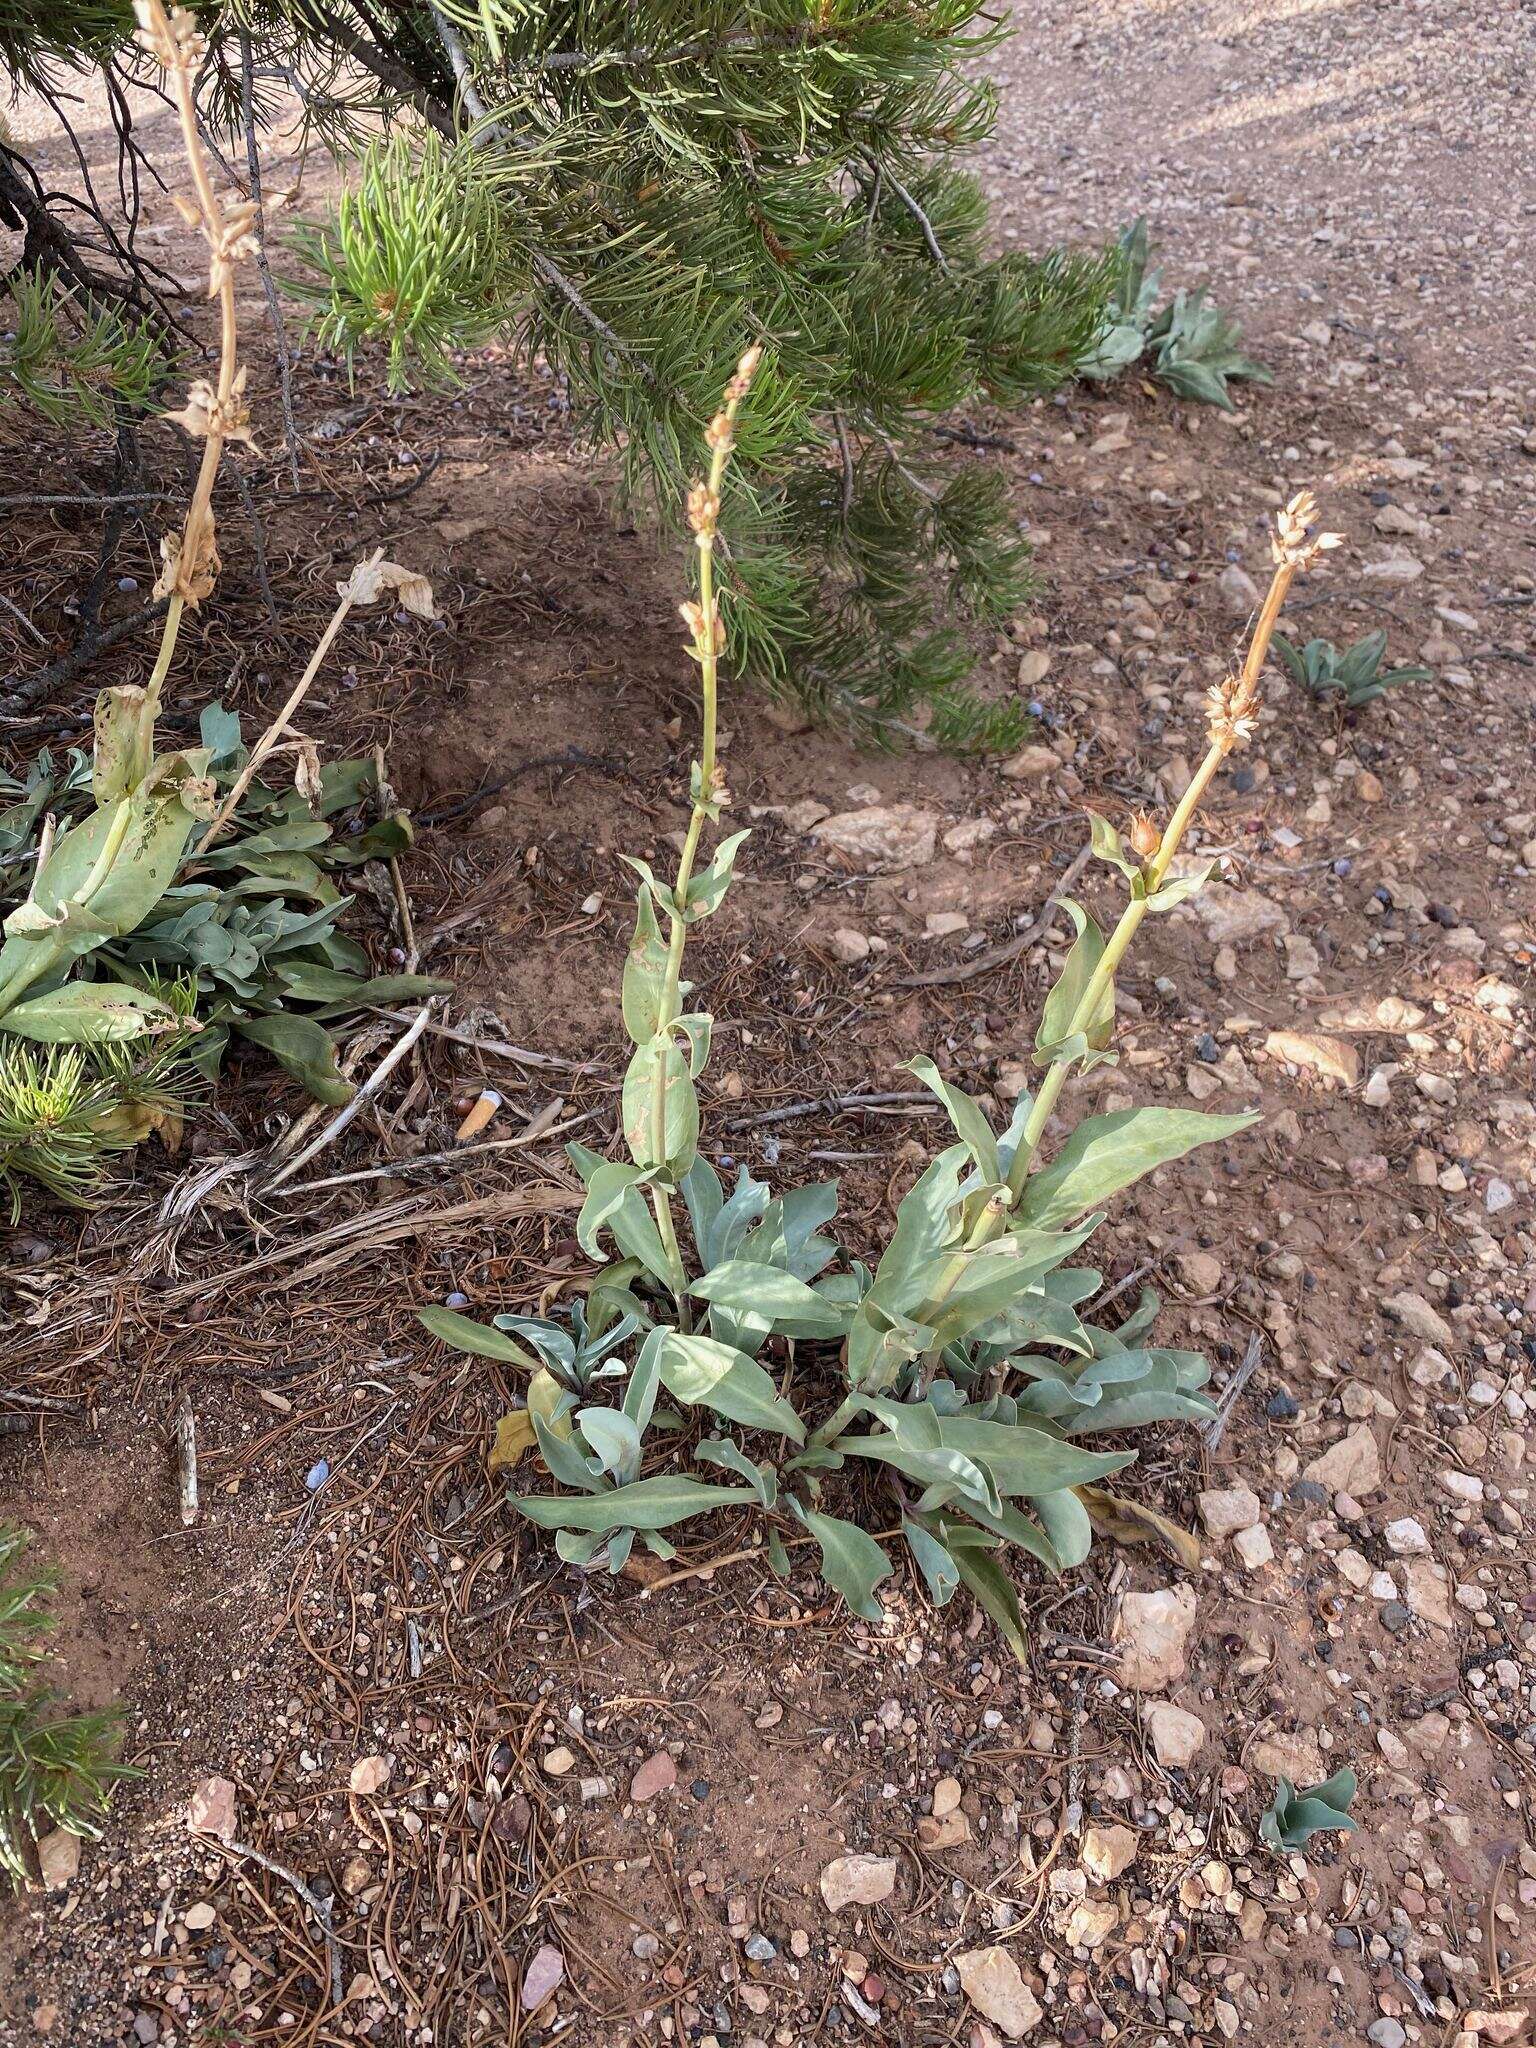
1114	952
670	1006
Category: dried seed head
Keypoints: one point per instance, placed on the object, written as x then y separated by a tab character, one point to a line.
190	564
171	39
1232	711
708	635
703	512
1143	835
1296	542
203	414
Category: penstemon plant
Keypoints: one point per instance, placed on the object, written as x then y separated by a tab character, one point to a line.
965	1364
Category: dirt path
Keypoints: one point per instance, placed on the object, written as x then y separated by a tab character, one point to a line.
1356	182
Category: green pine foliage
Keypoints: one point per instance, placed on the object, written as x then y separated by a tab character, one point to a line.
71	360
636	192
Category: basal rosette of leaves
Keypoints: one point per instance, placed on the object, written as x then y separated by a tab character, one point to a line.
963	1365
113	901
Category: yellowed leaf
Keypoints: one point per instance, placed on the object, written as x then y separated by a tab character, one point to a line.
514	1435
1131	1521
544	1392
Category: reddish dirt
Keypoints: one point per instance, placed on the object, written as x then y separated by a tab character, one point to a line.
1358	164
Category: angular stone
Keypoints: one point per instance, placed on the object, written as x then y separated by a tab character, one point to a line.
542	1978
993	1982
943	1830
211	1809
884	835
1254	1548
1090	1923
1031	764
657	1774
857	1881
1151	1630
1416	1316
1334	1058
848	945
1177	1736
1201	1271
1406	1537
1226	1510
1107	1851
1295	1754
1352	1465
1234	917
1427	1592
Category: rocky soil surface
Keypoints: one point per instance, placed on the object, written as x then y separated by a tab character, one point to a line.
388	1739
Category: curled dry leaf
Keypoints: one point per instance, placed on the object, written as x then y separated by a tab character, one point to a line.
306	774
370	581
1132	1521
189	572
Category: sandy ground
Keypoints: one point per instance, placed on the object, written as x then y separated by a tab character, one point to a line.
1356	183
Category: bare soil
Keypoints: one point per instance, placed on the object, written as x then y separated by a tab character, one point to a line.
1355	182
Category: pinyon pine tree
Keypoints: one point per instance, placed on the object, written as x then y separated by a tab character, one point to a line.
636	192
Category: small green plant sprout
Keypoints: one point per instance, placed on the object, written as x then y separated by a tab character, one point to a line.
1294	1817
66	1111
56	1770
1191	345
960	1376
1356	676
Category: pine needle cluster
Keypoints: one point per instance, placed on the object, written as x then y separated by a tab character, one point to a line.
632	193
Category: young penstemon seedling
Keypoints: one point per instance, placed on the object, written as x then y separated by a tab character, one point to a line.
959	1365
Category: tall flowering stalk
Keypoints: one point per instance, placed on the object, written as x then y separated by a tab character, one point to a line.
1232	720
215	411
661	1111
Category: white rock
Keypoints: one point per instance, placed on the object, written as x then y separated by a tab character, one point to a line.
1090	1923
1253	1547
1176	1736
1238	589
1406	1537
857	1881
1227	1510
884	835
1234	917
1352	1465
1394	568
1030	764
848	945
1151	1631
1107	1851
992	1980
1464	1486
1420	1320
1297	1755
1353	1568
943	924
1427	1592
1335	1058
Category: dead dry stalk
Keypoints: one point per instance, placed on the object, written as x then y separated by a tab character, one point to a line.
215	412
